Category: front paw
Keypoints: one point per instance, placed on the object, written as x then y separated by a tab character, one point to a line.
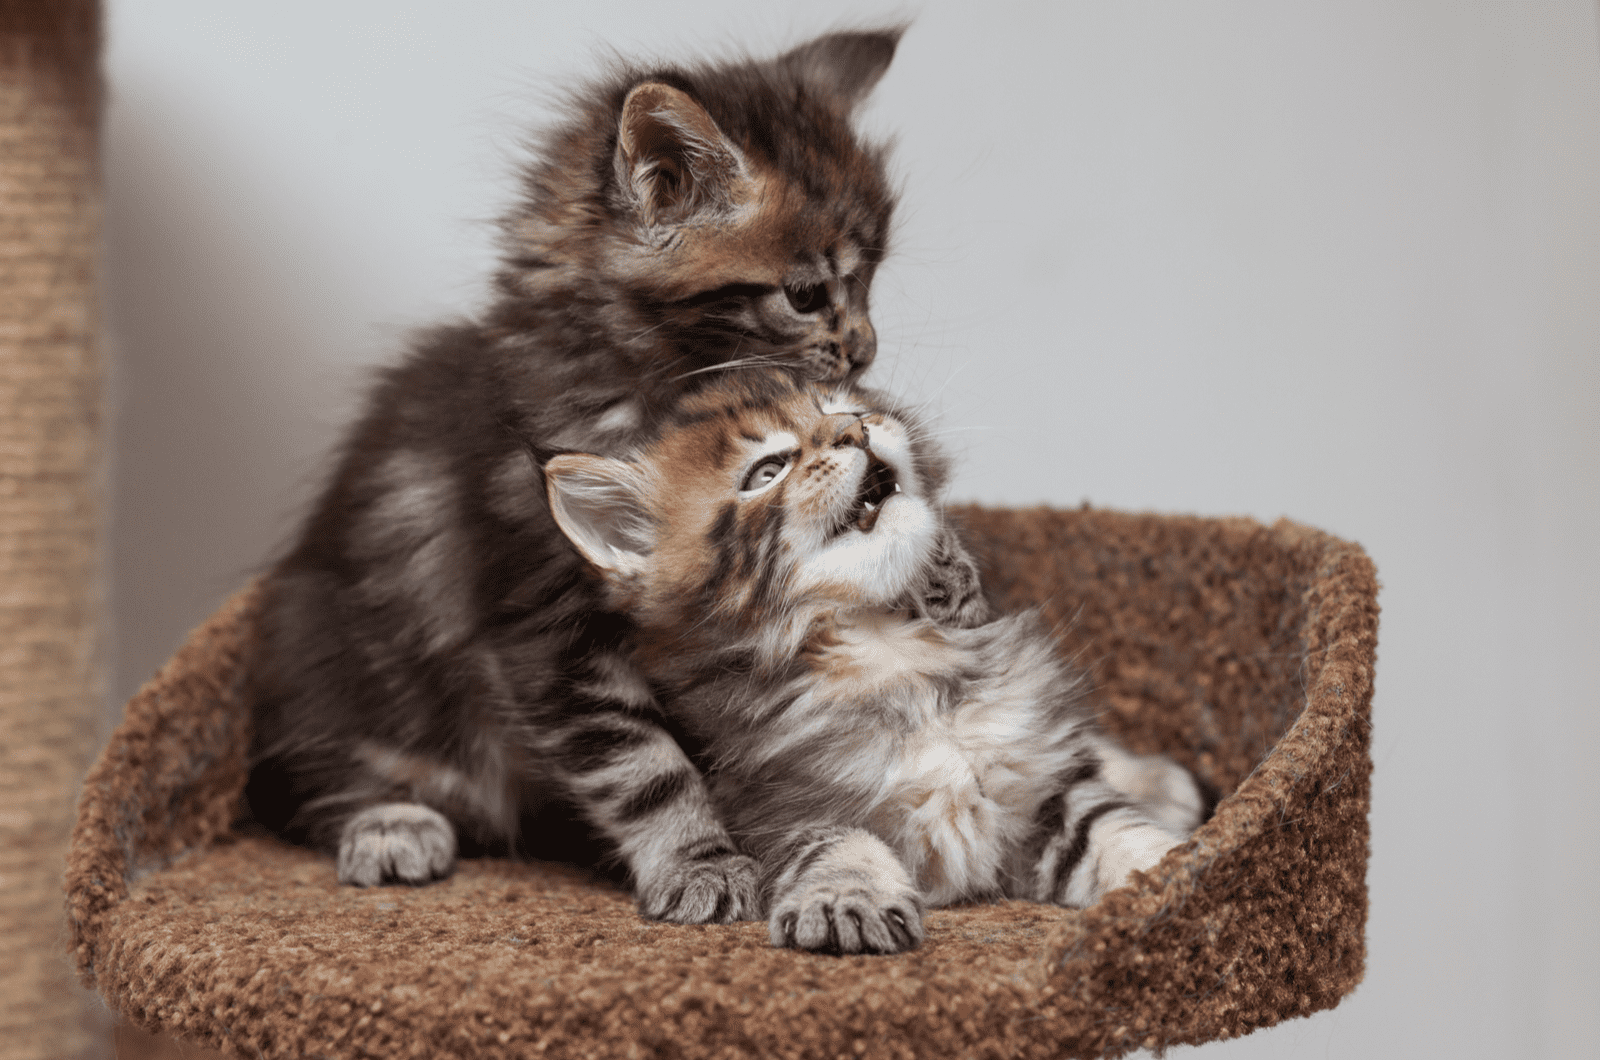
848	917
396	842
959	612
718	889
953	593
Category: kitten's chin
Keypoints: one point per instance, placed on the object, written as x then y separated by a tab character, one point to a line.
876	566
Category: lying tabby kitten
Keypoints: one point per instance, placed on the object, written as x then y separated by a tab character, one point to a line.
873	762
434	656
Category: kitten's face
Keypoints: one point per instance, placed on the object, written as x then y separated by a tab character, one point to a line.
776	285
729	214
758	268
763	495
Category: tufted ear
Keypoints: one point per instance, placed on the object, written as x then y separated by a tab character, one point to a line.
845	66
672	159
599	504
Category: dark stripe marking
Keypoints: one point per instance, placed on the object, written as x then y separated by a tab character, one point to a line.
811	856
1079	846
767	556
1047	824
1087	770
720	538
667	788
591	747
707	851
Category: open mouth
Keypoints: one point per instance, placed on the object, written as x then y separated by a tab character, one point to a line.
877	486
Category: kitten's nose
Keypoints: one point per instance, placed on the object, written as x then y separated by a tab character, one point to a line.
852	434
860	345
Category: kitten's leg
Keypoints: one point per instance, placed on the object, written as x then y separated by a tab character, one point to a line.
392	814
1168	792
633	782
396	842
378	830
841	890
1088	838
951	593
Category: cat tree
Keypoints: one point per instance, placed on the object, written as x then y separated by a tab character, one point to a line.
1244	650
50	698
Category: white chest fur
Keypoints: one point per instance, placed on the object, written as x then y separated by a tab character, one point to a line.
954	738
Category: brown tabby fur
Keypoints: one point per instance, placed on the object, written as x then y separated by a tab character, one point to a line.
440	670
870	760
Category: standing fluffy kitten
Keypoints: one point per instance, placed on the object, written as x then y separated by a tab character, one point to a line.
871	761
431	641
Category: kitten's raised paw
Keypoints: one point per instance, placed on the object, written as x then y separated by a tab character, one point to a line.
396	842
719	889
953	594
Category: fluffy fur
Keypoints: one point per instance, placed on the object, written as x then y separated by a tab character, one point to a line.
870	760
439	669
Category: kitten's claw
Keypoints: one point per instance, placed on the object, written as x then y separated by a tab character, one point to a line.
396	842
845	891
858	919
718	890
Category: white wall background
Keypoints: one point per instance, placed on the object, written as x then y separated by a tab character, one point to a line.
1340	262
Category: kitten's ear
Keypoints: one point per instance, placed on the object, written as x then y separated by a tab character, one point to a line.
599	503
672	158
846	66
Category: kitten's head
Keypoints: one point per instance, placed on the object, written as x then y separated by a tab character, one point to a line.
764	502
717	213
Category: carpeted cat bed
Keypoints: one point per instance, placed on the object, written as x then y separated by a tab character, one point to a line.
1245	651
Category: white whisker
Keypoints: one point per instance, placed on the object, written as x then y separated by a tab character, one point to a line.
743	362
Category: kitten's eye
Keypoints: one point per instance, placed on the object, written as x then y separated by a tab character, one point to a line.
808	299
767	471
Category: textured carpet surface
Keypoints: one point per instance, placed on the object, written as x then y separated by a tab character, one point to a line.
1244	650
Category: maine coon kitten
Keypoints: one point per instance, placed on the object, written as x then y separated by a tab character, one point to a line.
873	762
431	643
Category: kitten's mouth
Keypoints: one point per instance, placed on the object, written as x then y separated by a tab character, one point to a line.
877	486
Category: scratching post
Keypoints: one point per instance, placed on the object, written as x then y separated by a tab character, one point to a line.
50	695
1246	651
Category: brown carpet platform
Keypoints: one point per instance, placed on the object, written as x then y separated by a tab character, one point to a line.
1246	651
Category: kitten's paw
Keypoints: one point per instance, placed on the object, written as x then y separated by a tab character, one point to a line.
1180	804
1173	796
846	892
714	890
396	842
1133	848
844	918
952	594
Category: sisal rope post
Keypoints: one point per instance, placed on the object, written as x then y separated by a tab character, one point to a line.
51	701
